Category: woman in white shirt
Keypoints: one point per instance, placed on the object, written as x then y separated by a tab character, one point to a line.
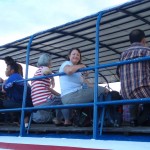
72	89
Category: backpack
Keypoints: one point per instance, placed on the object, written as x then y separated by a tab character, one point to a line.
143	118
83	117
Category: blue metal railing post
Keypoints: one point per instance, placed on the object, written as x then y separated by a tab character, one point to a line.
95	115
22	127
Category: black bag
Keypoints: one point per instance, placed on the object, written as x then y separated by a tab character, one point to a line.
83	117
114	113
143	118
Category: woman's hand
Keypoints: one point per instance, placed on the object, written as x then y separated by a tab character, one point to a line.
85	74
72	69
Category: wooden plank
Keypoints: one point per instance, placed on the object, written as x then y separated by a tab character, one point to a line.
127	129
51	128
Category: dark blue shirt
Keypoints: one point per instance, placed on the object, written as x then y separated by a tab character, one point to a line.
14	90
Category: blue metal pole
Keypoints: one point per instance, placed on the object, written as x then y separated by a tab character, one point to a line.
22	127
95	115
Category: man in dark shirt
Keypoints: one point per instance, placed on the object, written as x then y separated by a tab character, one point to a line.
135	77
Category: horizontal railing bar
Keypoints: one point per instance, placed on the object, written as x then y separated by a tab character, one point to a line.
102	103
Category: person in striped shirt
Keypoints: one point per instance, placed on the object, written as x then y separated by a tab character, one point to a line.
135	77
42	91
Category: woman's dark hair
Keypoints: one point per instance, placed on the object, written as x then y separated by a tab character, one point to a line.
10	61
14	66
70	51
136	35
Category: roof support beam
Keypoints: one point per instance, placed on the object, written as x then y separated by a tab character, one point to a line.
33	49
84	38
134	15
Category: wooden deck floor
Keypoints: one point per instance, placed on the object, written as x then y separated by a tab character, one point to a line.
51	128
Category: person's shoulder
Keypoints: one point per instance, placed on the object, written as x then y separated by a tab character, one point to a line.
146	48
125	51
132	47
16	76
13	77
67	62
136	49
63	65
137	46
46	70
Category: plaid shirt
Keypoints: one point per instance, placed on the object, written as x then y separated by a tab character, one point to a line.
135	75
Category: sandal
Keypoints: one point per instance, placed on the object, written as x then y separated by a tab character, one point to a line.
57	122
67	123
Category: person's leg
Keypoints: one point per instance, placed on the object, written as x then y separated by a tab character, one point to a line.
81	96
60	113
42	115
56	101
1	104
142	92
133	109
12	104
133	112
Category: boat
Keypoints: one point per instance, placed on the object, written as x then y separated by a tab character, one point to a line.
102	37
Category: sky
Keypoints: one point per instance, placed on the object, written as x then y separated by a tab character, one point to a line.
22	18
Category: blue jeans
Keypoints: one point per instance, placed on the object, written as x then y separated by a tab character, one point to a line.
82	96
42	116
85	95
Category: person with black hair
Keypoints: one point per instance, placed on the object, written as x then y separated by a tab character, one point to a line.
135	77
9	60
14	90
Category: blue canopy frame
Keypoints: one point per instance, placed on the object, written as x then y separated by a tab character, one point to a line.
101	38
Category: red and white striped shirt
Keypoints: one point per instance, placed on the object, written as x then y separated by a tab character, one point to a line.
40	89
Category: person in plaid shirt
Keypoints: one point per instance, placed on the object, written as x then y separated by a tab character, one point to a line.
135	77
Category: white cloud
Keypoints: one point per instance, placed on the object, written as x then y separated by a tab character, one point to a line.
21	18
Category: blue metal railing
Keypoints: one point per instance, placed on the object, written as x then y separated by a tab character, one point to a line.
95	115
95	105
22	127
